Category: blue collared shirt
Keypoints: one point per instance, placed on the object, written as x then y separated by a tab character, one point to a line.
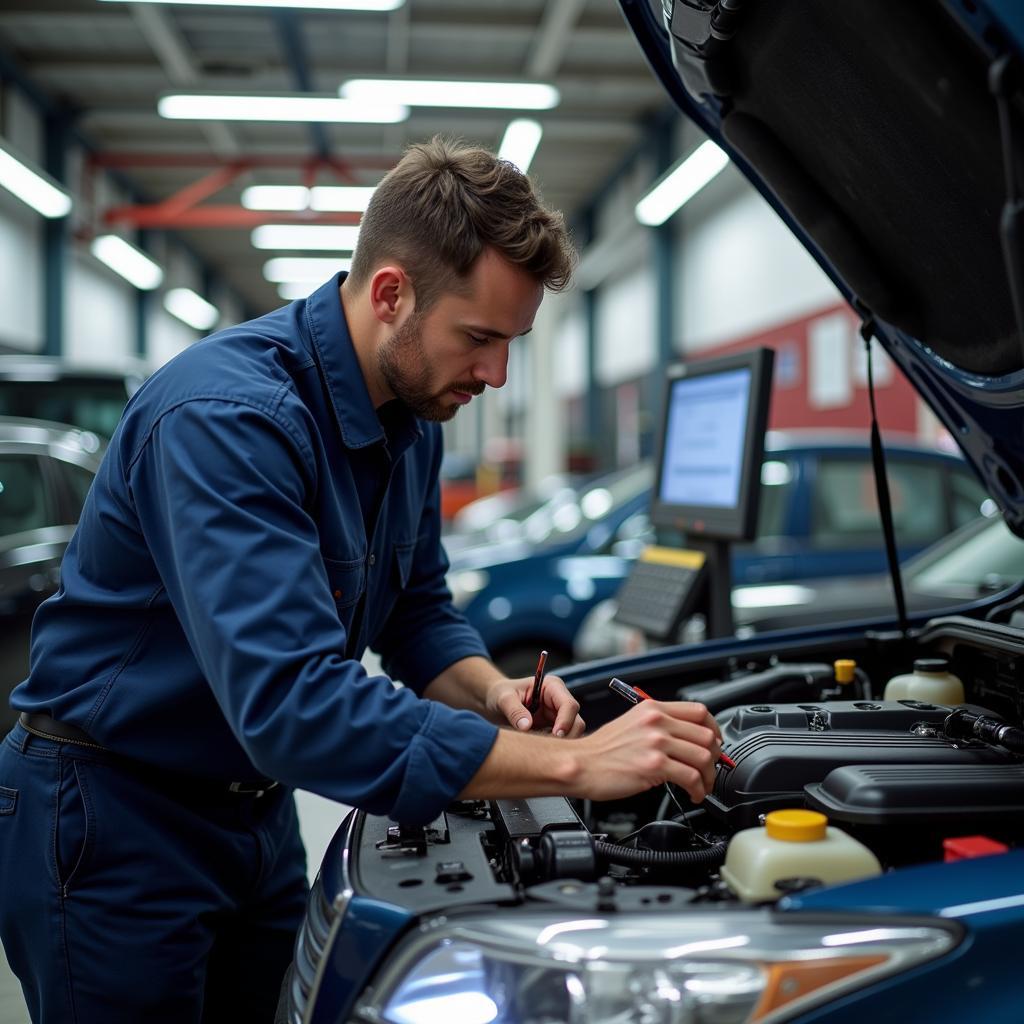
254	526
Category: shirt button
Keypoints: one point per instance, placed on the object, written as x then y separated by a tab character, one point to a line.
373	558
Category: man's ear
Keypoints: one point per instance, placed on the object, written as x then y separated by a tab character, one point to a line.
391	294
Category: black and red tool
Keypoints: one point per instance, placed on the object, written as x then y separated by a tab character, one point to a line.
634	695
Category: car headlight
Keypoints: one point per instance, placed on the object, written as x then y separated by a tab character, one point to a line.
465	584
702	968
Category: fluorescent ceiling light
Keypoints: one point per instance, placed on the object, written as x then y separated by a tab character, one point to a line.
520	142
125	259
334	237
34	188
326	109
681	184
322	198
275	197
313	5
191	308
292	269
343	198
291	290
436	93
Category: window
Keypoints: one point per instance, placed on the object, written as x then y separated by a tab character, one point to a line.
776	487
967	496
89	403
78	480
846	503
22	495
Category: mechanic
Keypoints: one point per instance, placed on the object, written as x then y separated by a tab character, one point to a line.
267	509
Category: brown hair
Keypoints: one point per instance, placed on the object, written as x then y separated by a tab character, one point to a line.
442	204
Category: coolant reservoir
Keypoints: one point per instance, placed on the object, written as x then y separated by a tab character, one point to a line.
793	844
931	682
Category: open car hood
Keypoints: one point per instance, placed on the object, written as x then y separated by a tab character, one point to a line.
872	130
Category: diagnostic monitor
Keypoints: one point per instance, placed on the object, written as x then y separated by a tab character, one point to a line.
711	446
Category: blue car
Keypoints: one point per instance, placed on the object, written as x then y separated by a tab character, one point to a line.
818	518
887	137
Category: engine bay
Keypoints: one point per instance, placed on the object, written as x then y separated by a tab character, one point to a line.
907	781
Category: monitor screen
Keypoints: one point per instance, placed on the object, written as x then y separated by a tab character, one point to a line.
703	456
712	444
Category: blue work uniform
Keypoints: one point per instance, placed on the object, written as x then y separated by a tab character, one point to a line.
254	526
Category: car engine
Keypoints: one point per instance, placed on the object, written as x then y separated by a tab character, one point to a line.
904	778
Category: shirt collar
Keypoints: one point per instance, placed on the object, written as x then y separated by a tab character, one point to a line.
333	349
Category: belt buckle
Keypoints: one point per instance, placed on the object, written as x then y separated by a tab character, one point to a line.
257	790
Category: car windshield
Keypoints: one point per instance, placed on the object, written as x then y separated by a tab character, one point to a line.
93	404
568	517
973	561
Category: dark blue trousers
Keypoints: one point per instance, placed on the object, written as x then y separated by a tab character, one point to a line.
128	897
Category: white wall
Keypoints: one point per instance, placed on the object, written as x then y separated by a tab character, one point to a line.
626	326
21	237
21	275
166	336
739	269
571	348
99	315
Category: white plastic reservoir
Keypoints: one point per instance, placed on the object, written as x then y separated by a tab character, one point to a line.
793	844
930	682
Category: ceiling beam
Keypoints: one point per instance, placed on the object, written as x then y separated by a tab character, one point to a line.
289	33
552	38
172	51
176	158
211	215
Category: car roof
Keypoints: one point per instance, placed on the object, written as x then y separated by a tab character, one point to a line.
44	432
38	367
892	440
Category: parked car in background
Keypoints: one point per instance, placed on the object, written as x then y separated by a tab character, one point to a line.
46	470
818	518
44	388
518	514
975	561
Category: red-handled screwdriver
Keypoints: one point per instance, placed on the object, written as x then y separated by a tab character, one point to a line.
634	695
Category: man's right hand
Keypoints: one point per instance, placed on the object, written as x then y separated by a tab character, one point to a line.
652	743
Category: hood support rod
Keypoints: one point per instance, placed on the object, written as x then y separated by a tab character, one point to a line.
867	330
1011	221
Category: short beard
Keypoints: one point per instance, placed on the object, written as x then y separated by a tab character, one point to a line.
402	362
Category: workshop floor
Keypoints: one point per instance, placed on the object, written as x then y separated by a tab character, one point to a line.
318	821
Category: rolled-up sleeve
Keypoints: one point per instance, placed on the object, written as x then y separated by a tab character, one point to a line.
220	488
425	633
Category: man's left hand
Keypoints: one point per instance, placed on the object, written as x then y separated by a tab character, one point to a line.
559	710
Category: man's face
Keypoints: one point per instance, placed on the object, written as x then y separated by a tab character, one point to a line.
437	361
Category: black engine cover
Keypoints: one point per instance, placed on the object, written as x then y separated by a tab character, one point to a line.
779	749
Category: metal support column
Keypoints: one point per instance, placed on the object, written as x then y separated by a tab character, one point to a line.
663	250
55	237
143	304
592	394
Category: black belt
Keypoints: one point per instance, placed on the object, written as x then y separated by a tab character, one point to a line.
48	728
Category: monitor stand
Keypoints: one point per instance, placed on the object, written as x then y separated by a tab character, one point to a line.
667	585
716	599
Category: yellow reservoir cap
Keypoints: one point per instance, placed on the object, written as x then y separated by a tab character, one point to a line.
796	826
844	669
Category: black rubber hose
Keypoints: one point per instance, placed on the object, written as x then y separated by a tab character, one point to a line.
632	857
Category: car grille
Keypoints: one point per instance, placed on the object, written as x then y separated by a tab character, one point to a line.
310	946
